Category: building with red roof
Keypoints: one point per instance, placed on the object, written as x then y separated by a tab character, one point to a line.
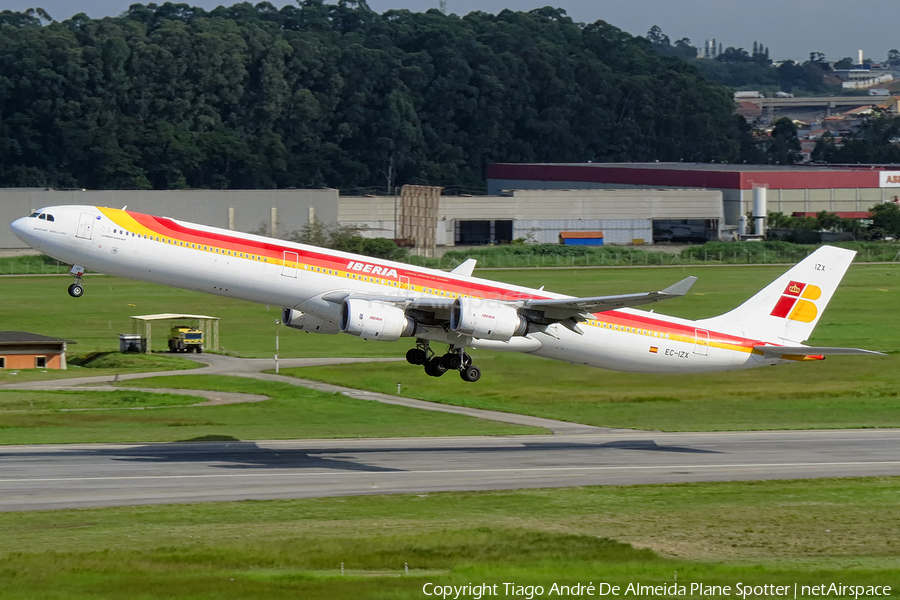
790	189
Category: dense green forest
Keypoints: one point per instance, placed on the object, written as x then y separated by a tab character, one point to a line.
170	96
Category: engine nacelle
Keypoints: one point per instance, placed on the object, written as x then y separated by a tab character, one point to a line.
375	320
486	319
307	322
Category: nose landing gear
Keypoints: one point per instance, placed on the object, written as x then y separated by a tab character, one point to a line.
455	359
76	290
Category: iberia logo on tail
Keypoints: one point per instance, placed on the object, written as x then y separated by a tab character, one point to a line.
797	302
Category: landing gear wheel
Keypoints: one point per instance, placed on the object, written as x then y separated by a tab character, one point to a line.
76	291
416	356
452	361
470	373
435	367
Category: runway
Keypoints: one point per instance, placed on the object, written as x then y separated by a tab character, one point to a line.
94	475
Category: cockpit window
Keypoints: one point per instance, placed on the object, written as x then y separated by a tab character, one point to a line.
34	215
50	217
43	217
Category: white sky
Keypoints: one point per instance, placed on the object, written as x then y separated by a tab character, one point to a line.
790	28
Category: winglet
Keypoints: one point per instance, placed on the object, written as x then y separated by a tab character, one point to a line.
681	288
465	268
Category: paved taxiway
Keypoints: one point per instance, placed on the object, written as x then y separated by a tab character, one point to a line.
65	476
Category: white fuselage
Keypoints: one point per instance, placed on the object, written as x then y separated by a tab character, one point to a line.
280	273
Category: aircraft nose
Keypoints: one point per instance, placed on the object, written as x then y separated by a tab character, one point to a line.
20	228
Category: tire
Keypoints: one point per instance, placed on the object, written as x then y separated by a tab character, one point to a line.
435	367
416	356
76	291
199	349
452	361
470	373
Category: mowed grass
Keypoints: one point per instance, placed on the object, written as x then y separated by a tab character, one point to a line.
292	412
845	392
22	401
103	365
774	532
41	305
837	392
841	391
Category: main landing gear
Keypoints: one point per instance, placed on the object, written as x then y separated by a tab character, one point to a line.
76	290
455	359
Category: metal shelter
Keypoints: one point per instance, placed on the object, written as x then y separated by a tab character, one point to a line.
208	325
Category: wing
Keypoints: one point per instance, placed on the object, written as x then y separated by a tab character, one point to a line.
593	304
541	312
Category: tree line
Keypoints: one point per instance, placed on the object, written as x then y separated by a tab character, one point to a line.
173	96
738	68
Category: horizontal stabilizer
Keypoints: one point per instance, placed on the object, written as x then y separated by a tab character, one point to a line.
811	350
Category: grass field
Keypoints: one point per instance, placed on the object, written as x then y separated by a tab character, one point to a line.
103	364
824	394
40	304
292	412
812	531
837	392
778	532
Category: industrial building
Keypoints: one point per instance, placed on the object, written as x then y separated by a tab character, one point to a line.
790	189
627	202
625	216
274	213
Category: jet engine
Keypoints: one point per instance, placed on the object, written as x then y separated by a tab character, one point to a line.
307	322
375	320
486	319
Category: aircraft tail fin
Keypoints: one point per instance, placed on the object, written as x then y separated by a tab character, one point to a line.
789	308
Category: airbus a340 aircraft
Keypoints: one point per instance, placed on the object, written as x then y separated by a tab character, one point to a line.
326	291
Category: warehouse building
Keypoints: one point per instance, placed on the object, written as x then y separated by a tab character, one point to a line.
790	189
624	216
268	212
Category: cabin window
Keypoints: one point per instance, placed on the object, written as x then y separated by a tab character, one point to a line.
40	362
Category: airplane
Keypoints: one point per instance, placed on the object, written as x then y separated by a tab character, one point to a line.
328	292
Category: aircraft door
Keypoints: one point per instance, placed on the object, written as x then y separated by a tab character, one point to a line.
701	342
404	282
290	264
85	226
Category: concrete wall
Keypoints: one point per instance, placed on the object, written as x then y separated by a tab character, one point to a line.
252	208
812	200
735	201
615	231
622	214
